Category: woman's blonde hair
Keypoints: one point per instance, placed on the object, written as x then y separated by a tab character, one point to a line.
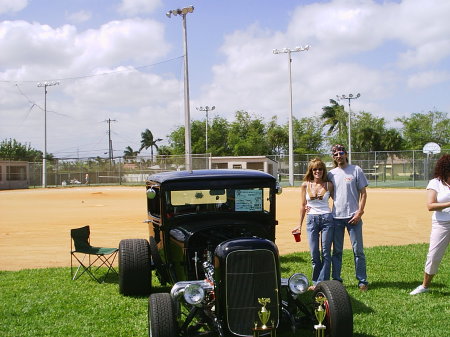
315	163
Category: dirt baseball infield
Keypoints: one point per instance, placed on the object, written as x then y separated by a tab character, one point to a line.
35	224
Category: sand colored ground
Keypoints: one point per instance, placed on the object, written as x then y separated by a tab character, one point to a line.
35	224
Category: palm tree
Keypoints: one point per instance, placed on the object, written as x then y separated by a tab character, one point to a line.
335	117
148	141
129	153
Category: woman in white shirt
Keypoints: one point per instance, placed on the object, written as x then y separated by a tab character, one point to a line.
438	200
315	192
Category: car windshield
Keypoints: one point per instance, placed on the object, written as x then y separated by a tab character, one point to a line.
218	200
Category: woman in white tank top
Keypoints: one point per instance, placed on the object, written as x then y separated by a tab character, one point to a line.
315	193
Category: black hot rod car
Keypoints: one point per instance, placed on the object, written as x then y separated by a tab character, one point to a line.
212	238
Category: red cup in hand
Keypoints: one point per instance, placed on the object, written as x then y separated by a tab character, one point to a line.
297	235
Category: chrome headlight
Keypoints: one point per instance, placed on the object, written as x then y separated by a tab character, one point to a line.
194	294
298	284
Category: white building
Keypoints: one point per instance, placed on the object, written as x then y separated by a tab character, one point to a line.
260	163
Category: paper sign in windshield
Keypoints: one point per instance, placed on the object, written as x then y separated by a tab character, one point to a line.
248	200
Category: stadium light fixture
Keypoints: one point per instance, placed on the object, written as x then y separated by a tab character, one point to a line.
291	132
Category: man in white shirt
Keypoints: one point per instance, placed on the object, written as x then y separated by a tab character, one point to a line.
349	201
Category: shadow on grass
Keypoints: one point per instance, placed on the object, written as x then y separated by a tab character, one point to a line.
111	278
292	258
401	285
359	307
287	261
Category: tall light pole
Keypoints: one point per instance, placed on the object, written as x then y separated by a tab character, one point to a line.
349	98
291	132
206	109
187	118
44	159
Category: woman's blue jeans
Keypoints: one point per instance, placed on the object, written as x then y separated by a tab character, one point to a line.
320	233
356	239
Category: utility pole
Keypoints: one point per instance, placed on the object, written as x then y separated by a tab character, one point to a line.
291	132
187	114
349	98
111	153
44	159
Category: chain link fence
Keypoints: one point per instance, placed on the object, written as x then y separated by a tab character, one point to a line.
382	168
105	171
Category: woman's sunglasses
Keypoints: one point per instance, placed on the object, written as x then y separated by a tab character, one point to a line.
317	169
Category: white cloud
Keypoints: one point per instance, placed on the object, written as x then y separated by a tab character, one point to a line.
428	53
389	51
344	34
77	107
63	52
8	6
253	78
47	47
422	26
340	27
427	78
79	17
135	7
121	42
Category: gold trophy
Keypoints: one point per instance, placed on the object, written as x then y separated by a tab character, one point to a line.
320	315
264	316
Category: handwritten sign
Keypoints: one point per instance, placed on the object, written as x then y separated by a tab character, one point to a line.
248	200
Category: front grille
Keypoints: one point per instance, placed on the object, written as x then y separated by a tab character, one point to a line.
250	274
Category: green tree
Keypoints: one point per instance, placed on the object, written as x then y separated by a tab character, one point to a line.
165	150
393	140
277	137
129	153
11	149
308	133
335	118
176	141
247	135
218	137
370	133
148	141
367	132
421	128
198	136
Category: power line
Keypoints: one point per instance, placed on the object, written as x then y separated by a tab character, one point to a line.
95	75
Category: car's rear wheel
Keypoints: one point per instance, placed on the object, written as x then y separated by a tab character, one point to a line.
135	275
161	316
339	314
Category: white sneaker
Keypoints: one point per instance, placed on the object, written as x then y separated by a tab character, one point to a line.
420	289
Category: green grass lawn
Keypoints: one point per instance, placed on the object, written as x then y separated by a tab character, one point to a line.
45	302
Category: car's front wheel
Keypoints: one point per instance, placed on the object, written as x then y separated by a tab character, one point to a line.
338	308
161	316
135	274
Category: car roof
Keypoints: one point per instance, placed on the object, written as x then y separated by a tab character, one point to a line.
172	176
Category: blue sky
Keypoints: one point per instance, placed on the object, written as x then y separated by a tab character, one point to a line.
123	60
